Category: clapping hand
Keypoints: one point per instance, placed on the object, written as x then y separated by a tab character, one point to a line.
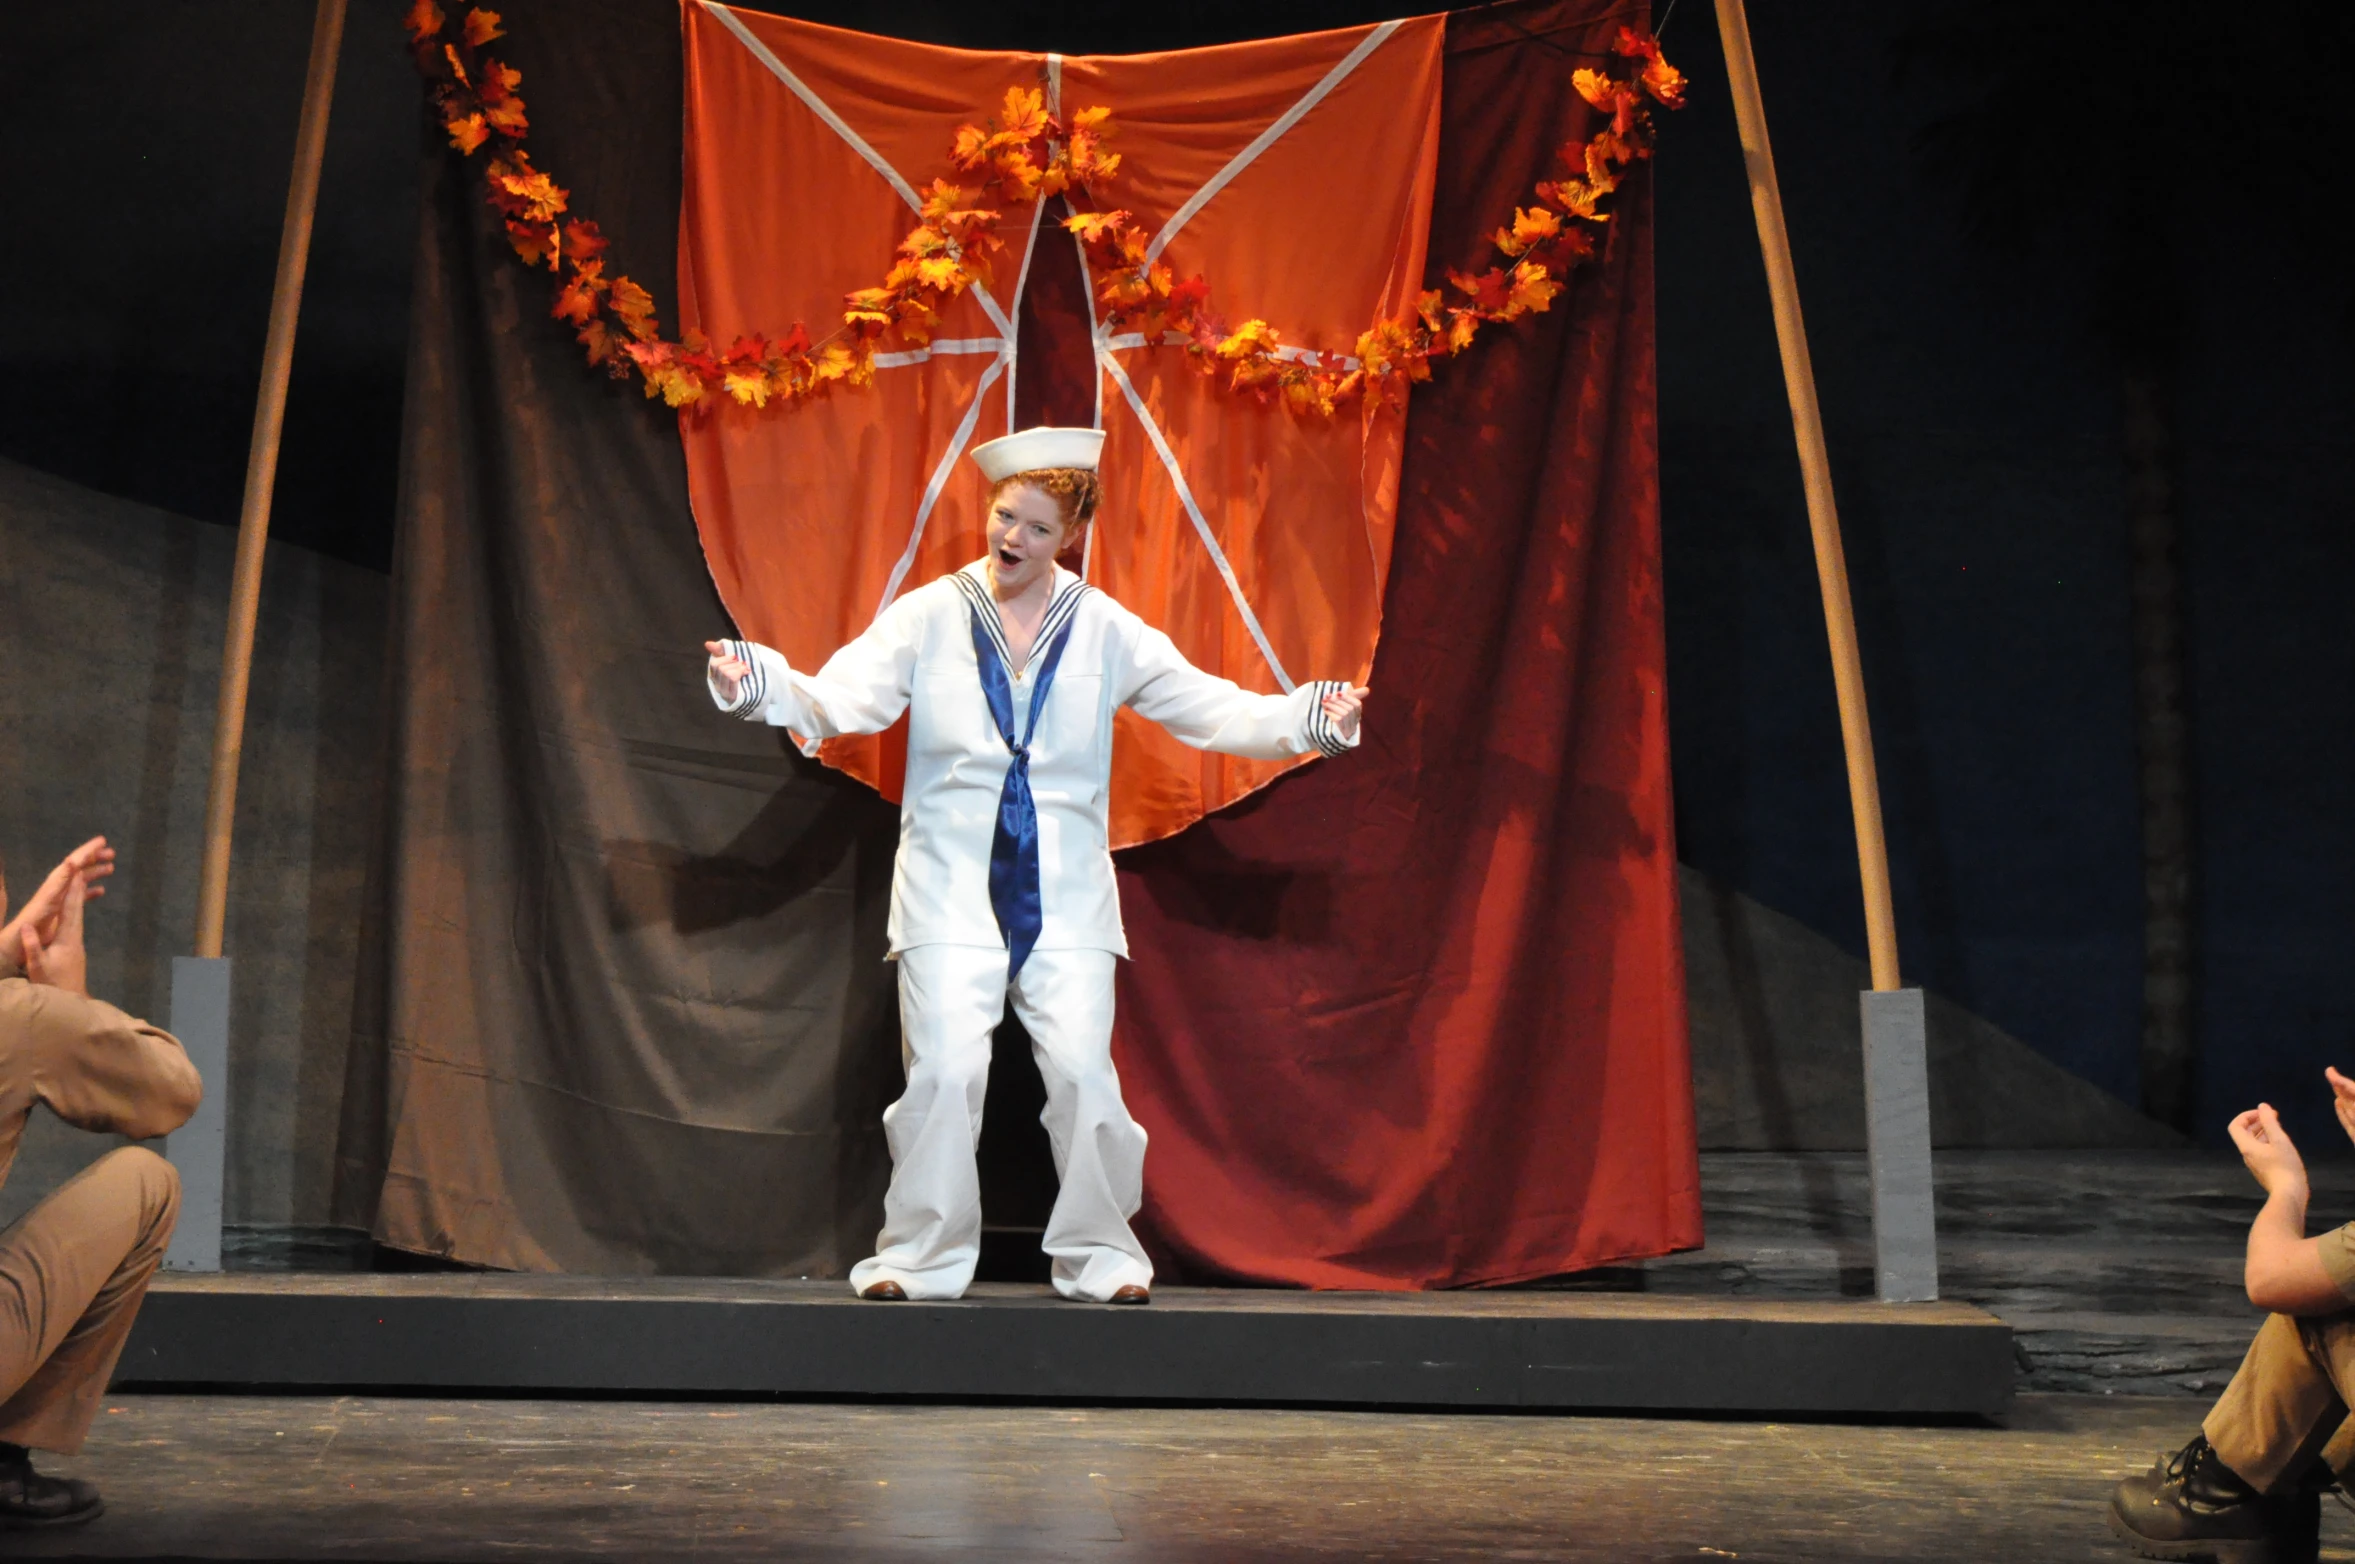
1344	706
2265	1147
58	958
80	874
2342	1099
728	671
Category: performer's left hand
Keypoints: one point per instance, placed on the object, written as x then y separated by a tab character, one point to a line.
1343	708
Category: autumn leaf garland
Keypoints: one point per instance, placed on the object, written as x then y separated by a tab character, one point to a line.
1139	294
1024	154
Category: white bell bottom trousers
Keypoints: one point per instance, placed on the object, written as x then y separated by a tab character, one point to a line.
951	998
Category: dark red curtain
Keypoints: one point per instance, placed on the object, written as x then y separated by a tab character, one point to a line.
1416	1018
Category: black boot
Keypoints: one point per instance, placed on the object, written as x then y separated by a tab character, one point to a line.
28	1500
2191	1506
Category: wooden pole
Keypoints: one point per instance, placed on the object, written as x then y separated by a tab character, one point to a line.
261	475
1815	468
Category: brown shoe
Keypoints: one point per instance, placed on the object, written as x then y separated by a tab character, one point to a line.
2192	1506
1132	1293
885	1292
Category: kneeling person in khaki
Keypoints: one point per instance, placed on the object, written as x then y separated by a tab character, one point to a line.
74	1269
2247	1489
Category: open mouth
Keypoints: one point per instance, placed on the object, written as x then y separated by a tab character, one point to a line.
1009	559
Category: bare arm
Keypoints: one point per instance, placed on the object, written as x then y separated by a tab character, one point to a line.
2284	1273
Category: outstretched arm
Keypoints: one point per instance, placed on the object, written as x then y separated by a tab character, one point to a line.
1218	714
862	689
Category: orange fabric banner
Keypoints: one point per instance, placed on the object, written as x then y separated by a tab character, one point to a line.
1295	174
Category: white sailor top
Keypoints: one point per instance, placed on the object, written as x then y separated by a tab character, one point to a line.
920	656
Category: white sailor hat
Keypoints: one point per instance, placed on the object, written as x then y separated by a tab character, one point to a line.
1034	449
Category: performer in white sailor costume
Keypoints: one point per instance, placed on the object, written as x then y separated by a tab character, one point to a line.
1009	671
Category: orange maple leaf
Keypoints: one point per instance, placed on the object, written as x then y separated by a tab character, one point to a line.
869	311
948	205
924	240
680	386
833	364
1531	226
1251	338
1462	326
577	300
1578	197
1302	394
1487	289
423	21
635	306
1664	81
482	26
1532	288
1019	179
535	242
598	340
1095	227
507	118
1025	116
468	133
747	386
529	193
942	272
582	241
1095	117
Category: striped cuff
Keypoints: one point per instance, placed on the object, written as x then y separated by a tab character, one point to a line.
1321	732
752	691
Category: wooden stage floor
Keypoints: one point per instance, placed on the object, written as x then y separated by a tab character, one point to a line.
459	1333
464	1481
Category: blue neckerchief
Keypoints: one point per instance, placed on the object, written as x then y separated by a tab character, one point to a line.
1013	851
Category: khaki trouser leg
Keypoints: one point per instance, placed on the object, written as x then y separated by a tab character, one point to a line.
72	1274
2289	1399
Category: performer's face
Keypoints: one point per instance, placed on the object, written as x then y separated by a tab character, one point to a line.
1026	532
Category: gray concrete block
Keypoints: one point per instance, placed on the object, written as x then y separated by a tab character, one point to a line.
1897	1123
199	1149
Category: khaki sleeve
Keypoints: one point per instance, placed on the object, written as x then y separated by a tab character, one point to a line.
2338	1257
95	1067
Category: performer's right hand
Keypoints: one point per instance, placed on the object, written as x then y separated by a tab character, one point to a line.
728	670
87	864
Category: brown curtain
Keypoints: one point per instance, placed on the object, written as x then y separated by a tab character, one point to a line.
628	1009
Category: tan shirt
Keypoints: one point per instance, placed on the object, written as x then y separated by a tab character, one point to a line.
95	1067
2338	1258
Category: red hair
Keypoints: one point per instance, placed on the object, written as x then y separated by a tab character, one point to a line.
1075	491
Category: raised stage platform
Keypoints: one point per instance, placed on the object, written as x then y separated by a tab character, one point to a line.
1536	1350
